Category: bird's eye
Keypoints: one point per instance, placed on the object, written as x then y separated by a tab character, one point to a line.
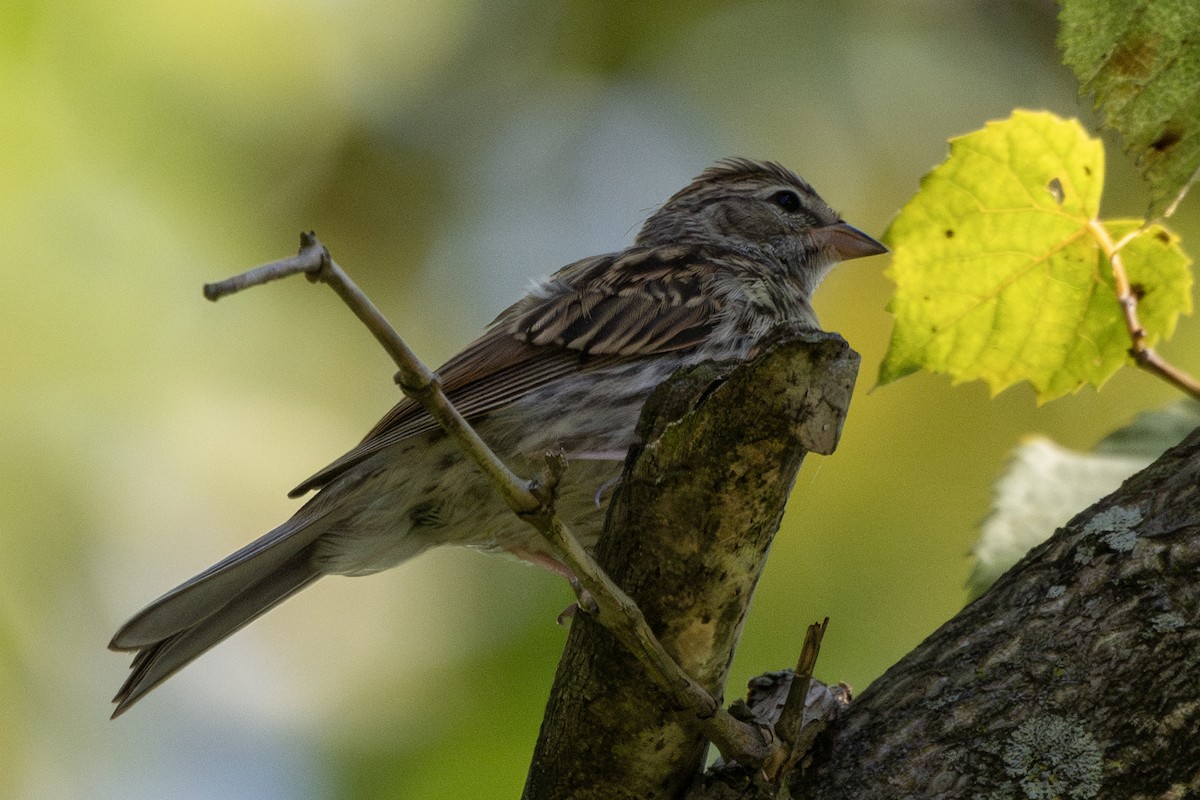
788	200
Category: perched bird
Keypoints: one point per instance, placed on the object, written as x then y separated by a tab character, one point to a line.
566	368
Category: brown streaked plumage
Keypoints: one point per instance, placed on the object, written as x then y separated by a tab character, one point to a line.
737	251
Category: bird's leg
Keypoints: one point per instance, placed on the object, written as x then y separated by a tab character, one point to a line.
583	598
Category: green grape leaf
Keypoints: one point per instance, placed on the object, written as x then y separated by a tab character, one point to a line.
1141	60
1000	275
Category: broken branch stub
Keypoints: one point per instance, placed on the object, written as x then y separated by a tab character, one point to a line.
686	537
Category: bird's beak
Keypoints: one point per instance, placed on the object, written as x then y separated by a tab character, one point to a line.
847	241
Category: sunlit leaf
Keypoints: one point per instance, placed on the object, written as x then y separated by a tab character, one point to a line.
998	275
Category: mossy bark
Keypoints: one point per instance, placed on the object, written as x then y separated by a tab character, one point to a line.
687	536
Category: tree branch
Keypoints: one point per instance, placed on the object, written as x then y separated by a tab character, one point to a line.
686	536
1074	676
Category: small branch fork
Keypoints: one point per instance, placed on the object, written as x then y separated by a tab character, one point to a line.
532	501
1143	355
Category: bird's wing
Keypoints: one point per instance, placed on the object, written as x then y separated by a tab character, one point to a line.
597	312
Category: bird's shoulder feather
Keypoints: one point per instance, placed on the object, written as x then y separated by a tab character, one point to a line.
597	312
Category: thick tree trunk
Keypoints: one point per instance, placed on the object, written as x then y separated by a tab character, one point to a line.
1076	676
687	536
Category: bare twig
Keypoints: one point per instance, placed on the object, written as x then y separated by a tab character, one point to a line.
1143	355
789	728
415	379
534	504
791	718
617	612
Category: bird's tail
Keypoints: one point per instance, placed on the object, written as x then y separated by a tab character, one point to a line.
177	627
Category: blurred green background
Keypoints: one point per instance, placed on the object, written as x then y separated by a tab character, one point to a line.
448	151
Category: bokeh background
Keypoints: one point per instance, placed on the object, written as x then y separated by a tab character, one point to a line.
448	151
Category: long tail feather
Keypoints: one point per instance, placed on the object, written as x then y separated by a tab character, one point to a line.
211	590
157	661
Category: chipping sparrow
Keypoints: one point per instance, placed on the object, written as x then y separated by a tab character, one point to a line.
567	367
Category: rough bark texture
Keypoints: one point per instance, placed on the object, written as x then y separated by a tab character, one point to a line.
687	536
1076	676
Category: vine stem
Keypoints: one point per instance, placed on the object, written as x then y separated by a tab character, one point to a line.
532	501
1143	355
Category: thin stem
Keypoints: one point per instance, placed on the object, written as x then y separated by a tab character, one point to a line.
1143	355
795	739
415	379
616	610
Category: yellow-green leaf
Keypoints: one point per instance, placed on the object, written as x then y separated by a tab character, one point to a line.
998	275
